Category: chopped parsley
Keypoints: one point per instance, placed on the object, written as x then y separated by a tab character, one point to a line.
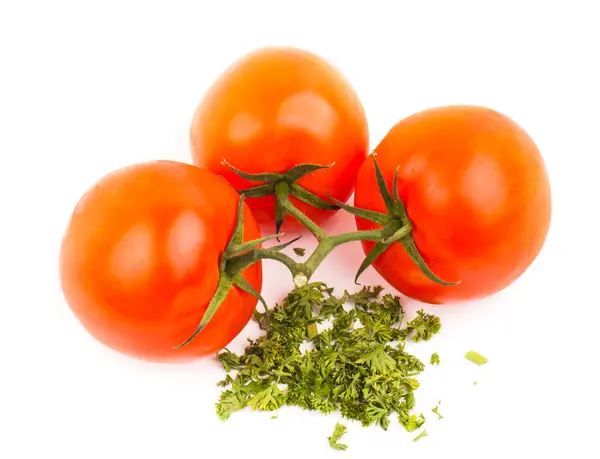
476	358
435	410
300	251
338	432
435	359
422	327
421	435
358	365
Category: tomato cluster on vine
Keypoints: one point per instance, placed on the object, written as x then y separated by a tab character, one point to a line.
453	204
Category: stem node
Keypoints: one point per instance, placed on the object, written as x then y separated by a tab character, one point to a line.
300	280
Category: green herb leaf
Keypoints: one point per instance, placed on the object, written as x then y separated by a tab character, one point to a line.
338	432
229	402
300	251
411	422
378	359
435	410
423	327
421	435
229	360
435	359
365	295
269	399
476	358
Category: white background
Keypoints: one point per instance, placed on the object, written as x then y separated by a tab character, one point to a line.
87	87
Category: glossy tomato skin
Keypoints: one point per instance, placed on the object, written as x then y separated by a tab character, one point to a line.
476	189
275	108
139	261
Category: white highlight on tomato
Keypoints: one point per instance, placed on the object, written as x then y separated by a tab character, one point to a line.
133	258
307	111
184	243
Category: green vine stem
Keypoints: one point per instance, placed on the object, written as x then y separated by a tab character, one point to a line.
394	227
302	272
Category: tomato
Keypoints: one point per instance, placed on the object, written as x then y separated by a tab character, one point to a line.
139	261
276	108
476	190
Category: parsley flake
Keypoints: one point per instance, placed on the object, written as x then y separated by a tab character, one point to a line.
476	358
300	251
338	432
423	327
421	435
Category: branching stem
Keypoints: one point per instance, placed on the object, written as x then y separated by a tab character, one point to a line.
392	227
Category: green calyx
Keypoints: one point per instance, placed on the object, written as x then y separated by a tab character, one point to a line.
283	185
395	227
237	256
229	277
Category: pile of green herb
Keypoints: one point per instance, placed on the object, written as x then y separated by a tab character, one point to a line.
357	365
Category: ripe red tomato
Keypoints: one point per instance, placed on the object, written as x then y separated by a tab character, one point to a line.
476	189
140	261
276	108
